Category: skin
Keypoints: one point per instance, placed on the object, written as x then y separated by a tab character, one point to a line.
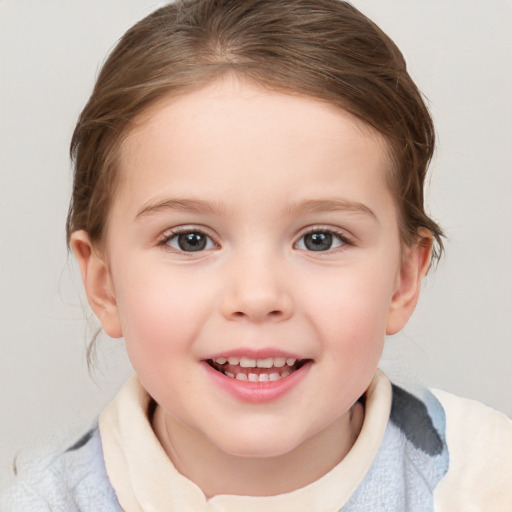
255	171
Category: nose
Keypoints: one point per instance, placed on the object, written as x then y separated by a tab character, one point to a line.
256	290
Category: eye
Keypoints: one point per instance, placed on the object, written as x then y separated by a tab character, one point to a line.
189	241
321	240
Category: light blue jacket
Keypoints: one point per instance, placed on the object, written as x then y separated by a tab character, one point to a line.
410	463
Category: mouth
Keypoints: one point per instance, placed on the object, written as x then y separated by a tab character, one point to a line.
270	369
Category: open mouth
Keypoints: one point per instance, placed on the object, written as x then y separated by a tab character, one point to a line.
256	370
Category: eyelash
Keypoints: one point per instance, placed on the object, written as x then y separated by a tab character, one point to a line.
341	236
169	235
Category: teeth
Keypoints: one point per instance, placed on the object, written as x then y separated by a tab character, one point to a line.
262	377
246	362
265	363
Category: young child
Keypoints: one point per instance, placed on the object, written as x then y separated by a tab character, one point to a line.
248	215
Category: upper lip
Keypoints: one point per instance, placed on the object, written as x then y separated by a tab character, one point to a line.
251	353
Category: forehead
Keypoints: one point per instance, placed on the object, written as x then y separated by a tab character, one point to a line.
232	134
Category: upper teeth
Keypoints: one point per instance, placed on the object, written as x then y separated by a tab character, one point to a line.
245	362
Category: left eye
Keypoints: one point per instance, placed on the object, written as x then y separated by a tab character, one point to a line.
320	241
190	241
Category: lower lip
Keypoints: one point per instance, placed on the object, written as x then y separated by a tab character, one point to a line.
257	392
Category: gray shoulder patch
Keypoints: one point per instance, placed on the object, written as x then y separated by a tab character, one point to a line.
410	415
82	441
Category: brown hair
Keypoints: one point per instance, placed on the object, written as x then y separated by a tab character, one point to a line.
325	49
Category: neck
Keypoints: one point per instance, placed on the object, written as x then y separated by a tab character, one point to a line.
217	472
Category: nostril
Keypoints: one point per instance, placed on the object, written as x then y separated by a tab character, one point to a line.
274	313
258	307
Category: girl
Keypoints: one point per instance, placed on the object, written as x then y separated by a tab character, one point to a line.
248	215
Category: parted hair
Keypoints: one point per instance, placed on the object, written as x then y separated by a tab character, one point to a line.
325	49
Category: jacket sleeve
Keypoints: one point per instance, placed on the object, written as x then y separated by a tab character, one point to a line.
479	439
72	481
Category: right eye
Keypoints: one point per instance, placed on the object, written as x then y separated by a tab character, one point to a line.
189	241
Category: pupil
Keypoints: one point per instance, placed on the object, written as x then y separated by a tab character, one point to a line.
192	242
318	241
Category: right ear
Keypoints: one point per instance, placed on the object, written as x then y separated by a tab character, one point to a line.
97	282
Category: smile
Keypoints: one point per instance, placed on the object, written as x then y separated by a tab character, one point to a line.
269	369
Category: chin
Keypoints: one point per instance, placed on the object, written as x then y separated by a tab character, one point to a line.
258	446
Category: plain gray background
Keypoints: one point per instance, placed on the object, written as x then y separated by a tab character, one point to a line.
460	339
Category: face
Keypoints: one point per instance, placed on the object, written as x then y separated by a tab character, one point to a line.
253	264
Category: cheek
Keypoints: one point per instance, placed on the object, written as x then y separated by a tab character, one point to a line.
160	313
350	310
355	299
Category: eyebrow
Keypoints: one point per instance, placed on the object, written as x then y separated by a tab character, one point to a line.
309	206
179	205
330	205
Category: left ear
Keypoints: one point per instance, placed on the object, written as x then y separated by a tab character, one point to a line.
415	264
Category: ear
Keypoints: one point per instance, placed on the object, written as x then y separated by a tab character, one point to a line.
414	265
97	282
